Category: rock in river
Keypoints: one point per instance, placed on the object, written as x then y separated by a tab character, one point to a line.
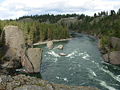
50	44
35	57
112	57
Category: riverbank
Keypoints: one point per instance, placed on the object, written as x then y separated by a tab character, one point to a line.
45	42
22	82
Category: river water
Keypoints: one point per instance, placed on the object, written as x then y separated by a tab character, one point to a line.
82	66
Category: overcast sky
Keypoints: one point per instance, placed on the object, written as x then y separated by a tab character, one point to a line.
12	9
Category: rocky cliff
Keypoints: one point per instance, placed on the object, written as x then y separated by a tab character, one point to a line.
113	52
17	52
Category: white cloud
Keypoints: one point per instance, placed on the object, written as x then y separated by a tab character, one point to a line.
16	8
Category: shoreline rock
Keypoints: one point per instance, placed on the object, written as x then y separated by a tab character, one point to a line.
111	54
50	44
18	54
112	57
22	82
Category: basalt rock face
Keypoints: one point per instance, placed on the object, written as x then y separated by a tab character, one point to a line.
112	57
14	42
18	54
115	43
14	39
35	58
22	82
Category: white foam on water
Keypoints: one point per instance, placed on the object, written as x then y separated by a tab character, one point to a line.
104	84
72	54
81	54
117	78
53	54
57	77
65	79
92	72
55	59
86	56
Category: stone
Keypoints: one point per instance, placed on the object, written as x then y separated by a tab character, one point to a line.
17	53
35	59
50	44
30	87
115	42
62	54
14	38
112	57
14	42
106	58
22	82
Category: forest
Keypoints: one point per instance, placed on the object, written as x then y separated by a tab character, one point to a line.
35	31
36	28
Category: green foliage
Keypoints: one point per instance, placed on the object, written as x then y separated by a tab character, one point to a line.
35	31
44	27
105	41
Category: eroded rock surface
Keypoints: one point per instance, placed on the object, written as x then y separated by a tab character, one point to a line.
18	54
35	57
50	44
112	57
14	39
115	42
14	42
22	82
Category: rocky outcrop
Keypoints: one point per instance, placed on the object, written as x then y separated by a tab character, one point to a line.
50	44
35	57
22	82
14	42
14	38
112	57
17	53
112	53
115	43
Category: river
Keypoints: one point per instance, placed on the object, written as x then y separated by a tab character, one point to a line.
83	65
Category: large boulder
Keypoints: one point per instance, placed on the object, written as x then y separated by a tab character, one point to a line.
14	40
50	44
115	42
112	57
35	60
17	52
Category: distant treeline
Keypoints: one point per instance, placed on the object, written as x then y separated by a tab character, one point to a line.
46	27
47	17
